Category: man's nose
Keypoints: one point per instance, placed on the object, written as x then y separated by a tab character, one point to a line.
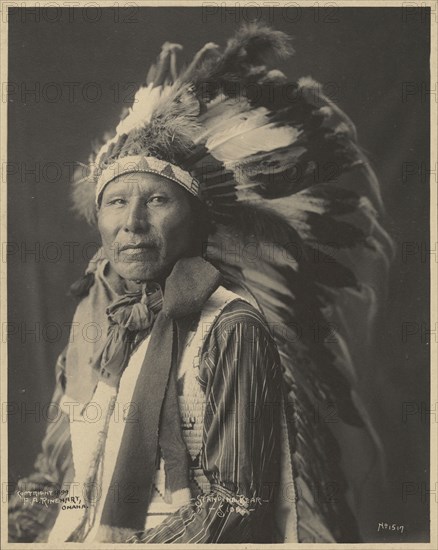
136	217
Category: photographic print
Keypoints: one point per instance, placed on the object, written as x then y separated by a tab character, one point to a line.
219	273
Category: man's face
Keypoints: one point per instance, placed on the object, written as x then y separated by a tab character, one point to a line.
146	225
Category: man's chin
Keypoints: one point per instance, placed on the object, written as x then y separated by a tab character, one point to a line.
141	273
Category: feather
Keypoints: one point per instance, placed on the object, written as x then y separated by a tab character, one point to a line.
257	44
83	192
239	120
243	61
172	126
312	92
249	141
205	57
278	160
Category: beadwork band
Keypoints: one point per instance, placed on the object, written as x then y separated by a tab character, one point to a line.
147	165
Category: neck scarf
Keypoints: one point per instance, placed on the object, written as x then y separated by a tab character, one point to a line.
157	426
131	318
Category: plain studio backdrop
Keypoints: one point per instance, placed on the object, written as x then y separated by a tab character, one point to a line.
72	71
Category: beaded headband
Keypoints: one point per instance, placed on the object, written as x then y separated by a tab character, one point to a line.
146	165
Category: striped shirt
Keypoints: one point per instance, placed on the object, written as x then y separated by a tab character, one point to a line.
240	455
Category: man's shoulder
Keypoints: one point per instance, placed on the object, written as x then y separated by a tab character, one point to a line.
240	310
239	332
239	315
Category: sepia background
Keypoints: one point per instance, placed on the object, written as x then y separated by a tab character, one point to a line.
71	72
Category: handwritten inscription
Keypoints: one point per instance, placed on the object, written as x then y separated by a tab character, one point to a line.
239	503
390	527
47	498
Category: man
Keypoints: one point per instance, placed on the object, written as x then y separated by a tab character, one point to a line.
204	280
148	231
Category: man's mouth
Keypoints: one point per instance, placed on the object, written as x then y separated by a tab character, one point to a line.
136	246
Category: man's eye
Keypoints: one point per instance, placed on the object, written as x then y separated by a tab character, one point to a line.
158	199
117	201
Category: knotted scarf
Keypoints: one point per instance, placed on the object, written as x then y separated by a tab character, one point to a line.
157	424
131	318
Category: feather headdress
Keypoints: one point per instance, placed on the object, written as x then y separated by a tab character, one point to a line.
295	208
